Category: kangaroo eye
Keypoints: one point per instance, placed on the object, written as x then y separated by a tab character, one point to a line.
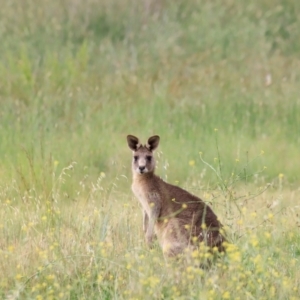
135	158
149	158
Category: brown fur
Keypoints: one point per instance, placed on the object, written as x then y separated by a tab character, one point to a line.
179	219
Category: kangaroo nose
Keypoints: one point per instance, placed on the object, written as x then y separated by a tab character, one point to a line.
142	168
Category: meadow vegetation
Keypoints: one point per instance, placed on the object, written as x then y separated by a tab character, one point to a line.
217	80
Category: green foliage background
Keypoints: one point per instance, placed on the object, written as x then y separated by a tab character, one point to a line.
76	77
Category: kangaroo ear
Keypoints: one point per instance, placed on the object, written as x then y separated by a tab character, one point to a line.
133	142
153	142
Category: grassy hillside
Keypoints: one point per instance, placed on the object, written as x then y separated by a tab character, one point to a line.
217	80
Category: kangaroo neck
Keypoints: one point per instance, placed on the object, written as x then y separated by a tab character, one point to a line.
143	177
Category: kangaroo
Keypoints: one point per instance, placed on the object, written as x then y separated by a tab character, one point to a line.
179	219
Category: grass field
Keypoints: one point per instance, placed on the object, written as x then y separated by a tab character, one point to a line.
217	80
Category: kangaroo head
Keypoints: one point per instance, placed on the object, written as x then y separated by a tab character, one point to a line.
143	159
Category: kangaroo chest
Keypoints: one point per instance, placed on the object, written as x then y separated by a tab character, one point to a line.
147	198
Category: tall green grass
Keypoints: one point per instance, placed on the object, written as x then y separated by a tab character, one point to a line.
216	77
86	71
